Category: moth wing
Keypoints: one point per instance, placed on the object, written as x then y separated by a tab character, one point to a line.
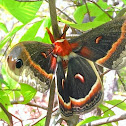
79	88
30	62
105	45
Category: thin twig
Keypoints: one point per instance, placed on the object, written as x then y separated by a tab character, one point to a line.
30	104
53	15
69	18
113	106
37	107
74	5
17	118
7	113
104	73
10	115
50	104
10	89
121	81
40	118
87	11
114	118
101	9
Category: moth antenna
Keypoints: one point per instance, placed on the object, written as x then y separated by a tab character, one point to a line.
50	35
63	36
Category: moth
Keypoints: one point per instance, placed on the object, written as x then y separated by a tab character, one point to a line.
71	63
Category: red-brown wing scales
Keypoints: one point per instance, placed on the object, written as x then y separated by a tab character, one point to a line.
79	87
105	44
30	62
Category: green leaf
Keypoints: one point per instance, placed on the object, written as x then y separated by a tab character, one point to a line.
4	99
16	95
41	122
118	103
79	14
27	0
3	27
44	33
8	37
11	84
103	17
87	120
31	32
103	4
83	26
124	1
3	82
94	11
23	11
3	116
46	38
38	38
1	2
87	26
107	112
28	93
64	21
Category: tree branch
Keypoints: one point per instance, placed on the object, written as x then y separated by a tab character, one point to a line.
124	86
30	104
50	104
41	117
56	34
121	13
105	73
69	18
107	120
101	9
53	16
113	106
87	11
7	113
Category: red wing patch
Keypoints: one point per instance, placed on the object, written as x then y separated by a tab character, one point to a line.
98	39
80	77
86	52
